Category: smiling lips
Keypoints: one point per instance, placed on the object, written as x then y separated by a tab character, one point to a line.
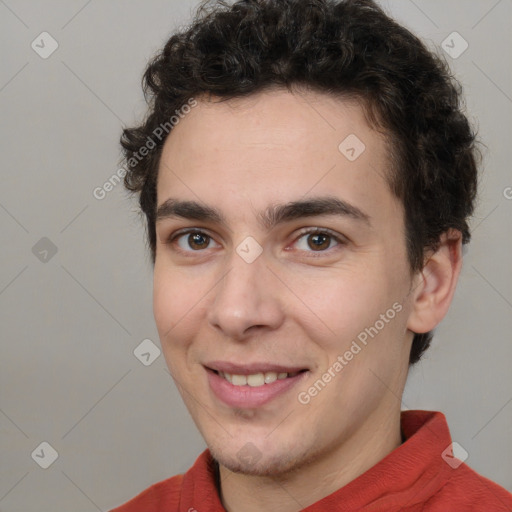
255	379
250	386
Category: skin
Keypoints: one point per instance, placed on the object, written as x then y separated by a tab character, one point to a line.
293	305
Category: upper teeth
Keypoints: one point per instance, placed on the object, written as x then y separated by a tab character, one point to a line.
255	379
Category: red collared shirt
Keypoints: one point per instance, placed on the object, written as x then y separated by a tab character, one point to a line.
419	475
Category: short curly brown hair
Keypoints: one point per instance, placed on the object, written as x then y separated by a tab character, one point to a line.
346	47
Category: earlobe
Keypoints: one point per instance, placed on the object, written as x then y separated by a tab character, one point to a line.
436	283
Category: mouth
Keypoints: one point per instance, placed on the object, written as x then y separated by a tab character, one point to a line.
257	379
251	386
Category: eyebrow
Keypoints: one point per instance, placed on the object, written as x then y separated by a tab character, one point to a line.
272	216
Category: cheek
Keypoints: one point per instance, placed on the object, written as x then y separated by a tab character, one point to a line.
357	314
176	307
343	304
176	300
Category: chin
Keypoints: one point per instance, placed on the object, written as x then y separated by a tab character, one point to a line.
249	460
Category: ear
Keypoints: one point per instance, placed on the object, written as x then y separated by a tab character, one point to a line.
435	284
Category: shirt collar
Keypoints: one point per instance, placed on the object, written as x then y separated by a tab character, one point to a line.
409	474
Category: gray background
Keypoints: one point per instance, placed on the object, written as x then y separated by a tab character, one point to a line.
71	322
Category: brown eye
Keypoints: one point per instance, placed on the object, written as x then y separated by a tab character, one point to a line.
191	241
319	241
198	241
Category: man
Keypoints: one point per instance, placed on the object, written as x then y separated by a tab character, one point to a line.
306	175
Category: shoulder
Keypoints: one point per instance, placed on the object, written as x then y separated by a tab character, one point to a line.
465	489
196	485
162	496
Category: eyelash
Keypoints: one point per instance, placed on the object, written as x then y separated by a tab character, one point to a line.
308	231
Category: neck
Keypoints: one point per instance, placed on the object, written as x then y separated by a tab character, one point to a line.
293	491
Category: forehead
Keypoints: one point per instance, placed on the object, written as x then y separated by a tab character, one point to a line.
300	120
271	147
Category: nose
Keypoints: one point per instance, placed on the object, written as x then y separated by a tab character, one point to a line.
246	300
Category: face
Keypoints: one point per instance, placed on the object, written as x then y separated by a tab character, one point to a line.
284	325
